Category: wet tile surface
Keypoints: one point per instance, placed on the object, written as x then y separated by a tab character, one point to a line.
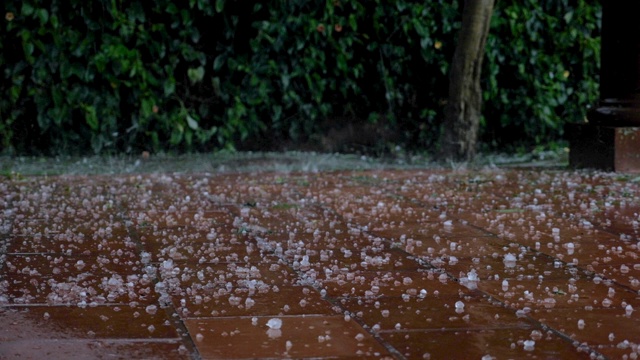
297	337
485	343
355	264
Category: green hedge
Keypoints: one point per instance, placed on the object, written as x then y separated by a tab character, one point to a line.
124	76
543	62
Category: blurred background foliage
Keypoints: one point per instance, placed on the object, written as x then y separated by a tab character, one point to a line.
112	76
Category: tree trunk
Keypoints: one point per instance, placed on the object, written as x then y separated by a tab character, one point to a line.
463	109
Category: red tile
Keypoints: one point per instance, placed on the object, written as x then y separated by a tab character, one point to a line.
298	337
91	322
489	343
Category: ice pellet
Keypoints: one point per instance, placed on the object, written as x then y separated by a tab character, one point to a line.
274	323
509	260
529	345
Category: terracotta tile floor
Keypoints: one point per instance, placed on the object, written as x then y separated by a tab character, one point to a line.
405	264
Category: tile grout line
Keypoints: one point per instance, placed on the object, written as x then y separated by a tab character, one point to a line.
586	272
493	299
334	302
169	308
488	296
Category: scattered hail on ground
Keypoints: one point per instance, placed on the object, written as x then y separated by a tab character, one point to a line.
372	262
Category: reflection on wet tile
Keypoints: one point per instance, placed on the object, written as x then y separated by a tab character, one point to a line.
486	343
154	220
283	337
559	292
64	349
372	284
73	280
65	322
433	312
49	265
622	350
199	246
276	301
599	326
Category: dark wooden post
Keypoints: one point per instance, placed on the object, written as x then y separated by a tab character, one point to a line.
610	140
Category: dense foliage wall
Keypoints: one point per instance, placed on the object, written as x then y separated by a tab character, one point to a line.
113	75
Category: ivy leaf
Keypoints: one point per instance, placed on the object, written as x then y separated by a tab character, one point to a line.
91	117
568	16
196	75
27	9
43	15
219	5
193	124
218	62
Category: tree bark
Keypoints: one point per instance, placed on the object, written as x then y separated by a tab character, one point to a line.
464	106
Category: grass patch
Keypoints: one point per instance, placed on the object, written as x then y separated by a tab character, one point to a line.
284	206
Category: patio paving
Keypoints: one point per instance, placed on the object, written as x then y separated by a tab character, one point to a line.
397	264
